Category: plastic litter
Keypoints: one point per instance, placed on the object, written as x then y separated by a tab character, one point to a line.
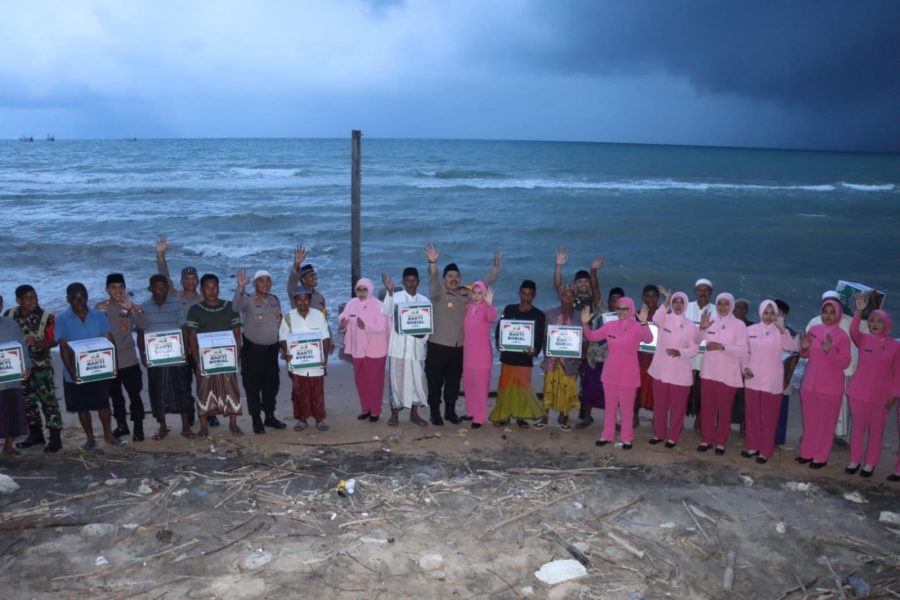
889	517
7	484
861	588
254	561
558	571
855	497
346	488
780	528
100	561
748	481
431	562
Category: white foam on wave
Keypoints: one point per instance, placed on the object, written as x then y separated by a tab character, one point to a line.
633	185
869	187
812	215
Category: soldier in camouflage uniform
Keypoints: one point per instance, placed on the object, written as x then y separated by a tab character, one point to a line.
37	325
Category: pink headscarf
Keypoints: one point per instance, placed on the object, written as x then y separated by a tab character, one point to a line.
363	308
887	321
839	311
763	305
474	306
629	321
684	297
724	296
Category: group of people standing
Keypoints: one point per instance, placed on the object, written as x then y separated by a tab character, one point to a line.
707	355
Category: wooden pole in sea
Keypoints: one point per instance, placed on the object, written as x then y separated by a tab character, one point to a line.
355	210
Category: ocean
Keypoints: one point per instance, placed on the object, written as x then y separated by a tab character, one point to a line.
758	223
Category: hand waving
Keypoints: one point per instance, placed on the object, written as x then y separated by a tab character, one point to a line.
562	256
489	294
643	314
862	301
300	255
598	263
242	279
432	253
388	283
162	245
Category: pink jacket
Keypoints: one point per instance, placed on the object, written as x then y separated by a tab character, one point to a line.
724	365
623	338
825	370
766	345
676	332
477	351
879	362
371	342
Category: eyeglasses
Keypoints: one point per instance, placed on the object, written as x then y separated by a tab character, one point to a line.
621	309
362	289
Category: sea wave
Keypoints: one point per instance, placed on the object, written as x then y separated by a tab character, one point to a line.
869	187
638	185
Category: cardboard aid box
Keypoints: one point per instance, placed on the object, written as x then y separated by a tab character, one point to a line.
305	350
95	359
12	363
164	348
413	318
218	352
516	335
563	341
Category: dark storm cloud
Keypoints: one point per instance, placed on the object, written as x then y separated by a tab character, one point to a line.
814	54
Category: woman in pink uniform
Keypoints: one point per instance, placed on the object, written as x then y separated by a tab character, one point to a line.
478	359
870	389
764	381
621	374
366	340
720	372
828	349
671	368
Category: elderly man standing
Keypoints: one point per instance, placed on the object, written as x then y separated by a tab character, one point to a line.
305	275
124	318
261	316
444	360
703	291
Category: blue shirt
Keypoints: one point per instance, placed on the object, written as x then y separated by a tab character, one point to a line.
163	317
69	327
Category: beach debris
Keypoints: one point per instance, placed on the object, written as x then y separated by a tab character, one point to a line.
100	561
746	479
144	489
558	571
626	544
255	560
799	487
780	528
728	577
346	487
96	530
130	526
431	562
577	505
201	493
7	484
373	540
668	525
855	497
891	518
180	493
578	550
860	587
116	481
527	590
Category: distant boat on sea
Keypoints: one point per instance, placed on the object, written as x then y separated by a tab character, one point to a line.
50	137
26	138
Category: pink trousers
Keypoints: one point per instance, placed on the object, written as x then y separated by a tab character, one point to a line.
368	373
476	383
669	406
897	468
820	416
715	412
868	415
618	397
761	413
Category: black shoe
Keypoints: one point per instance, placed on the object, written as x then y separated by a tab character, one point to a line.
893	477
761	460
121	431
476	425
138	432
522	423
55	443
601	443
720	451
437	420
465	418
363	416
816	465
274	423
802	460
453	418
748	454
374	418
865	473
258	426
670	444
851	470
702	447
212	421
35	437
626	446
654	441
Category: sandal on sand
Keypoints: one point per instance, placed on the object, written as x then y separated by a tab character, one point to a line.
159	435
322	426
236	431
189	435
565	427
115	442
301	425
541	424
89	446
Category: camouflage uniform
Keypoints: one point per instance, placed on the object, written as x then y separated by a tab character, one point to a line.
39	389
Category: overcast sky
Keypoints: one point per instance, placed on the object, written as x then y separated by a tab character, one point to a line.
795	74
